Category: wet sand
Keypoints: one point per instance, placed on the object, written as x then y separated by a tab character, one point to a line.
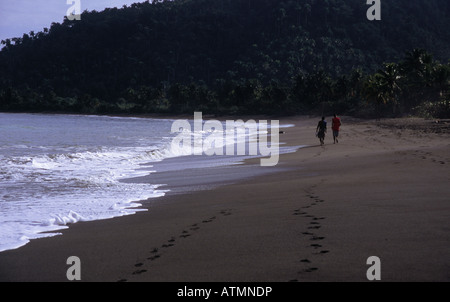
317	216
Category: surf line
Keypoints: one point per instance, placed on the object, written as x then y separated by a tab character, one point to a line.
214	143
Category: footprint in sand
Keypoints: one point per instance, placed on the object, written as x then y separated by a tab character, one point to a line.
317	238
226	212
311	269
314	227
185	234
153	257
194	227
209	220
170	243
322	252
299	212
305	261
314	224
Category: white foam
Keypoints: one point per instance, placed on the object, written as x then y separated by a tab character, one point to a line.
60	189
45	188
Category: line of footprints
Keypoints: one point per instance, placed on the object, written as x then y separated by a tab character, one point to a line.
312	228
429	156
157	252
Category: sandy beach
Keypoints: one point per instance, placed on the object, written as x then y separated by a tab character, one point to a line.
317	216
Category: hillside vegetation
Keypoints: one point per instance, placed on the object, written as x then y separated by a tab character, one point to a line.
236	57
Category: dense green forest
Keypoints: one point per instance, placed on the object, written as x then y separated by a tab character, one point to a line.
236	57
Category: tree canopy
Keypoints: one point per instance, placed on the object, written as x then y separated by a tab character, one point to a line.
233	56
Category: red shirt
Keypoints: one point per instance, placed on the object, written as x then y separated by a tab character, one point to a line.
336	123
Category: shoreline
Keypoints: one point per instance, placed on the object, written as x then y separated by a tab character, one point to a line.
317	219
53	229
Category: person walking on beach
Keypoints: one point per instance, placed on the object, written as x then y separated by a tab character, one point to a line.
335	125
321	130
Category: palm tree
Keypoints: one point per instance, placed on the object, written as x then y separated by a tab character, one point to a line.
389	78
417	66
441	78
372	89
382	88
418	69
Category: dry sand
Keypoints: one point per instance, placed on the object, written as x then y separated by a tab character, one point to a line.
382	191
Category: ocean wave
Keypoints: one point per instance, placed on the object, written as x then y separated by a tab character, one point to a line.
46	187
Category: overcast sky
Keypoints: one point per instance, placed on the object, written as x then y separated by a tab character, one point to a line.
22	16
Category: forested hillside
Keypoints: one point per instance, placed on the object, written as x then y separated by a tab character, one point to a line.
235	56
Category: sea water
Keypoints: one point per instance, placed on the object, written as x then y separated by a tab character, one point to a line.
60	169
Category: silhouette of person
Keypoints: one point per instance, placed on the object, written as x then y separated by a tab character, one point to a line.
321	130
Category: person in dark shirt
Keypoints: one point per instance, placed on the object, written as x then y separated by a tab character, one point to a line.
321	130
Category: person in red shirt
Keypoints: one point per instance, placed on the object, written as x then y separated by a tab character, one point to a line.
335	125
